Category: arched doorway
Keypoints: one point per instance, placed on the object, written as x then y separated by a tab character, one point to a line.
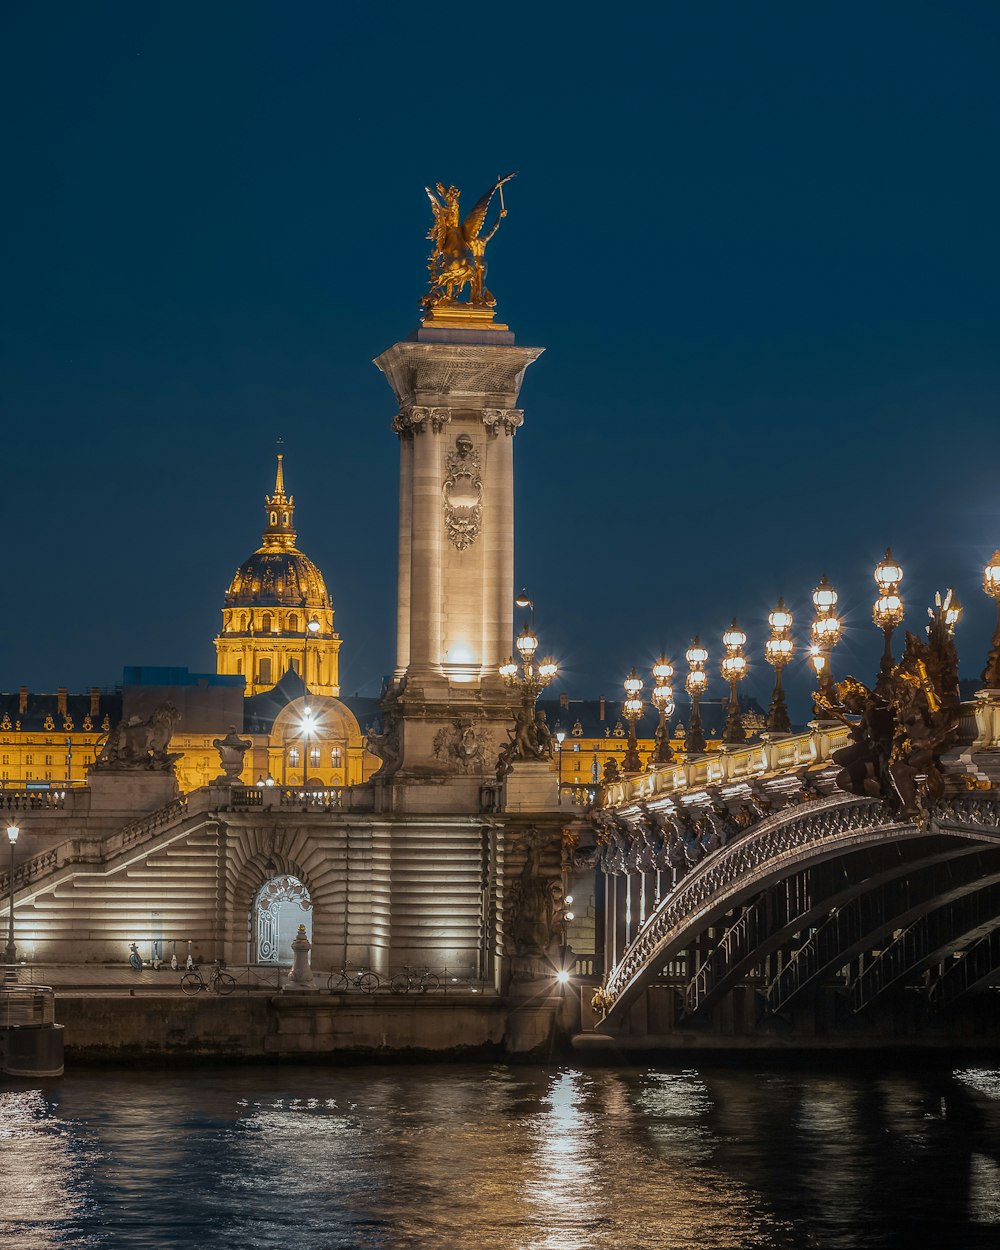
279	907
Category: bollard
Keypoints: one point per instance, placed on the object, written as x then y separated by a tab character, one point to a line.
300	979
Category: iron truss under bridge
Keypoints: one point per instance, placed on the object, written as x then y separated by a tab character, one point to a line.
751	869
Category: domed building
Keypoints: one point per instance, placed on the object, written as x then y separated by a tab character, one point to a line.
277	615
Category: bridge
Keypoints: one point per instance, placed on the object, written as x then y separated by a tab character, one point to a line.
747	892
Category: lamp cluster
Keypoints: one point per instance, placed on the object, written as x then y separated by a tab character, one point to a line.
530	677
779	649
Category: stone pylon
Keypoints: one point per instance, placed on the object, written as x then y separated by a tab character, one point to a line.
448	711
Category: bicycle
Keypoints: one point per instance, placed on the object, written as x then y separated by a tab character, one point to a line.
403	981
220	982
135	959
342	981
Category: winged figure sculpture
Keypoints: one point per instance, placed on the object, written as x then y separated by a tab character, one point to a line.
457	259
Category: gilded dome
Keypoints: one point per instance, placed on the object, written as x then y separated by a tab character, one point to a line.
278	574
277	577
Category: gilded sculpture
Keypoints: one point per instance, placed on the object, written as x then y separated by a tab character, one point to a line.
457	260
904	727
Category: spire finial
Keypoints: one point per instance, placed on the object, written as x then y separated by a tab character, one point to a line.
279	477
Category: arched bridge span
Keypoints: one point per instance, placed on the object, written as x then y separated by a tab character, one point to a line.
826	885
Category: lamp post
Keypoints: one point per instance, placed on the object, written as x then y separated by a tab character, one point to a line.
825	636
734	669
531	678
632	709
696	684
778	650
10	952
991	585
887	612
662	695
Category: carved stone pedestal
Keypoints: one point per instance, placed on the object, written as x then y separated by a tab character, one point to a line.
131	792
531	786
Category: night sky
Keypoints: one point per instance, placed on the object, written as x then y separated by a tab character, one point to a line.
758	242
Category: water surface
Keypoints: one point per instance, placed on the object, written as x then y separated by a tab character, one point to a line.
505	1158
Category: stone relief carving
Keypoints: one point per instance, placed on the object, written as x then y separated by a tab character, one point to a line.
535	907
507	419
463	493
462	747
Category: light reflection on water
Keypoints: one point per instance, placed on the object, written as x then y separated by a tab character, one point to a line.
509	1158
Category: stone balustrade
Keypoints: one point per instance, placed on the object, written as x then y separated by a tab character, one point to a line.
774	753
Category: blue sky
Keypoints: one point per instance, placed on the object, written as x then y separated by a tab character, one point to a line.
758	242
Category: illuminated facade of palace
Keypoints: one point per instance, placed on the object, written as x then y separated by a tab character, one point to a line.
277	627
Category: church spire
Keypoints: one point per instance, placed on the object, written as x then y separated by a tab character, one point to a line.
279	510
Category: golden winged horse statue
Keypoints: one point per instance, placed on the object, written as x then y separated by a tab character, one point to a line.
459	247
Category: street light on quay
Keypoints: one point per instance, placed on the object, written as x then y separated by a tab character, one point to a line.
991	586
734	669
662	696
10	951
778	650
696	683
632	709
887	612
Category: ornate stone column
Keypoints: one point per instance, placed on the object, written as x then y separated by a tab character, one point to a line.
448	709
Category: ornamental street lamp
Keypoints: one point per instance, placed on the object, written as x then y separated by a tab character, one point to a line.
778	650
632	709
530	678
10	952
825	636
696	683
887	612
662	696
734	669
991	585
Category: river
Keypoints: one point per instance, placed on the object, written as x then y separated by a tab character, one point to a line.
563	1158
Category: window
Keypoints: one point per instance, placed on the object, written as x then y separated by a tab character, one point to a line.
294	663
239	668
6	759
293	623
274	518
293	756
29	759
284	518
264	676
314	757
336	757
265	622
48	759
243	623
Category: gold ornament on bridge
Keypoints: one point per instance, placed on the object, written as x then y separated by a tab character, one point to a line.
458	258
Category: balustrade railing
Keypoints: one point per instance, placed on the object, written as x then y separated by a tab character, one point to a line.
732	764
300	798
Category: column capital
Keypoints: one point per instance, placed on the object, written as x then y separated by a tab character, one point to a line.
412	418
506	419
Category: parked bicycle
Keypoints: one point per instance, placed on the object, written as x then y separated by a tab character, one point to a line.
343	980
219	982
406	980
135	959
